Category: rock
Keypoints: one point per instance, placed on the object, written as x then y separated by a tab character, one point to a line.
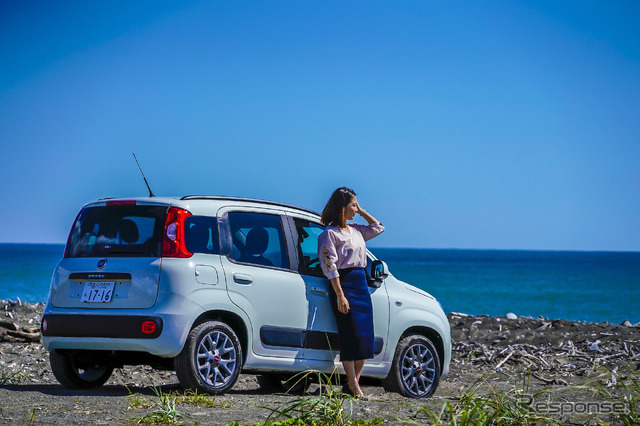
594	346
512	316
626	323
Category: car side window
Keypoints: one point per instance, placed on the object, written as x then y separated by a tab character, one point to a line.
201	235
258	239
308	233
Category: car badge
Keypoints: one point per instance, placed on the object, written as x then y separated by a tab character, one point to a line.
102	263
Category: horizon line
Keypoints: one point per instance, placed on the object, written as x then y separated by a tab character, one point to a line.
425	248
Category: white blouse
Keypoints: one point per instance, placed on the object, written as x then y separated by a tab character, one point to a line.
340	249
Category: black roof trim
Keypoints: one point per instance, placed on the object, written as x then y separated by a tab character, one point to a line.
251	200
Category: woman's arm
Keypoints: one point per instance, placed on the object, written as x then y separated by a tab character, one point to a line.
328	254
328	259
343	303
374	229
366	216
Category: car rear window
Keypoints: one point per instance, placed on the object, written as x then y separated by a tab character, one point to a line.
117	231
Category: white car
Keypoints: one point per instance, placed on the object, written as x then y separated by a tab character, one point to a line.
210	286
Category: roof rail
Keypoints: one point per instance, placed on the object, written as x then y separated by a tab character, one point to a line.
254	200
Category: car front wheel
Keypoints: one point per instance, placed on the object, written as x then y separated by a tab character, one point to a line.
80	369
415	371
211	358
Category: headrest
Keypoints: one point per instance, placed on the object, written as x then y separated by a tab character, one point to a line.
198	238
257	241
129	231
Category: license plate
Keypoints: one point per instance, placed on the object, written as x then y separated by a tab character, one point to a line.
97	292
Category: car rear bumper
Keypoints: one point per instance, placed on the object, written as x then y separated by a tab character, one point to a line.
112	326
121	329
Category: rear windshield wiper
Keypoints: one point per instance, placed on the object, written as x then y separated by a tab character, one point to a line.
124	250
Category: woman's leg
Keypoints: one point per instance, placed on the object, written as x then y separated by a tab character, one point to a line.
358	366
353	376
350	371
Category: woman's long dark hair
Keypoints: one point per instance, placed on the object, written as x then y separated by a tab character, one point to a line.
332	212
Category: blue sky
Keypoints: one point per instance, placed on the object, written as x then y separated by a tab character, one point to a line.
507	125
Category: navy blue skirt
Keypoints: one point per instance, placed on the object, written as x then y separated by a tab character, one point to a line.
355	328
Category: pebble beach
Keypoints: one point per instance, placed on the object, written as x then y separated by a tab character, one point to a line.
553	365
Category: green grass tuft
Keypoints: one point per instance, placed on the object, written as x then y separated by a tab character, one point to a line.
622	390
509	406
10	378
326	408
164	404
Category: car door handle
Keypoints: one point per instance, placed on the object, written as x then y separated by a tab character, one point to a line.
319	290
242	278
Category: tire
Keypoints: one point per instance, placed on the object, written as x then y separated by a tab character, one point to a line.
295	385
211	359
415	371
80	369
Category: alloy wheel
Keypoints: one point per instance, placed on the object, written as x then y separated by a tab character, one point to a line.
418	369
216	359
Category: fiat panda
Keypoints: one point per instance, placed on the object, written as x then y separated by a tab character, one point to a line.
213	286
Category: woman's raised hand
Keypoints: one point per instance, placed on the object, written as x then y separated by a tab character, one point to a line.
366	216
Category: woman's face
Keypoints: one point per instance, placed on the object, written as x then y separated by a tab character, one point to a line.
351	209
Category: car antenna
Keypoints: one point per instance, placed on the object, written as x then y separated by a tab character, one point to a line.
151	194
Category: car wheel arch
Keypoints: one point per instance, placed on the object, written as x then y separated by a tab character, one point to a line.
430	334
232	320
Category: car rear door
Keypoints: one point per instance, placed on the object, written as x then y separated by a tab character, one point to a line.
261	282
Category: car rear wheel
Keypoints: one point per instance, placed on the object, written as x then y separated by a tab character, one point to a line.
80	369
415	372
211	358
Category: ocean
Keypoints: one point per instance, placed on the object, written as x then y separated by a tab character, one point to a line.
588	286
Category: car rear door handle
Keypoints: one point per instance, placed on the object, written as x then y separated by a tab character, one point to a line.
319	290
242	278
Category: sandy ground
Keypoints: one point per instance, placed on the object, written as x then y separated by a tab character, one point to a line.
557	357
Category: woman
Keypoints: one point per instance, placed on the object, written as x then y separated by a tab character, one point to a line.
343	257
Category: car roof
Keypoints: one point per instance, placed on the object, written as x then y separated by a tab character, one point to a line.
219	198
249	200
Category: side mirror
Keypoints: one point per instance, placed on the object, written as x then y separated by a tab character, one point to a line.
379	270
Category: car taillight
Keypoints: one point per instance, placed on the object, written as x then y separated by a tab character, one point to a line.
173	244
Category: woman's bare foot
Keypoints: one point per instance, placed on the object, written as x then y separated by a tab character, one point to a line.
354	388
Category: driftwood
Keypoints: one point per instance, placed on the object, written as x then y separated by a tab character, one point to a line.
504	360
21	337
11	332
8	325
554	381
551	351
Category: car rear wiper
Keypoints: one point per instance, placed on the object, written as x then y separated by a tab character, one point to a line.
124	250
